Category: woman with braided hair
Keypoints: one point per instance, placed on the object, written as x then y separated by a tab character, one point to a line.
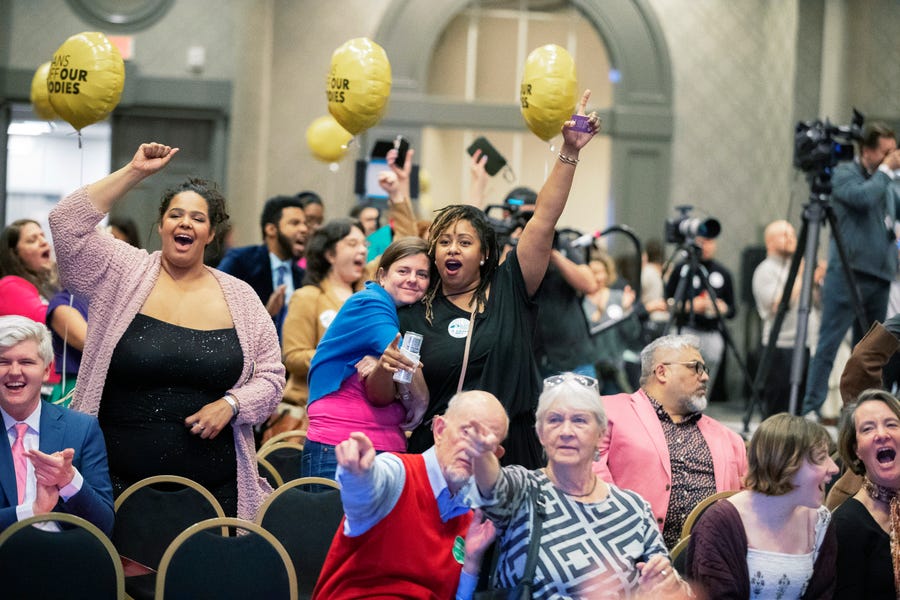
478	316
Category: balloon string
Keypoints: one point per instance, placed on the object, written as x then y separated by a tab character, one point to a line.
81	168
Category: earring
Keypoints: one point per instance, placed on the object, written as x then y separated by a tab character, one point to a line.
482	262
596	455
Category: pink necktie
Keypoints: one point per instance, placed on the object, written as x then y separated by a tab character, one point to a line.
18	454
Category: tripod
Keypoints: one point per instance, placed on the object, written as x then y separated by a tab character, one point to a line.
814	214
681	301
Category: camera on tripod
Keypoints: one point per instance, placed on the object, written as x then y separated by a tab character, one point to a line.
820	146
684	227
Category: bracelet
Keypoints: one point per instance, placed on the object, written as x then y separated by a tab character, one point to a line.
233	403
567	159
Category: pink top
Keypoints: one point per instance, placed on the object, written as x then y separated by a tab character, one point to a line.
334	416
19	297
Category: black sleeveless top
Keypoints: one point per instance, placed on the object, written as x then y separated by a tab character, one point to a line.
159	374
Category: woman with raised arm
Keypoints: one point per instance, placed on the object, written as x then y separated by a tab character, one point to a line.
566	510
472	296
180	360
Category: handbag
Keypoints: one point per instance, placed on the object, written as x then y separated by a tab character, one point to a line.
522	591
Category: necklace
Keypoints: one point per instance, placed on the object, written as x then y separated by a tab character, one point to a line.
593	487
878	492
471	289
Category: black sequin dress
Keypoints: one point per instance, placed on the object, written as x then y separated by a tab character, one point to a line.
160	374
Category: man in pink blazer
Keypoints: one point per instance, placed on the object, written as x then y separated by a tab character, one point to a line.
661	445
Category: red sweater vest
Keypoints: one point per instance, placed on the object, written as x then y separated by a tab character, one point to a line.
408	554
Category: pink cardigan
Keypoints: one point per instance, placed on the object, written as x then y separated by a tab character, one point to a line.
634	454
117	279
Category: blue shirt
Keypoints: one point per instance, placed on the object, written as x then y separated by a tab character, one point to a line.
366	324
288	282
370	497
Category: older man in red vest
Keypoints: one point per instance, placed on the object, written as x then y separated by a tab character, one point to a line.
405	512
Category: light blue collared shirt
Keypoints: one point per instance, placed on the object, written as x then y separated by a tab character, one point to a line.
370	497
276	262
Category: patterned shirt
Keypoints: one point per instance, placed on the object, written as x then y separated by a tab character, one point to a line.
693	477
587	549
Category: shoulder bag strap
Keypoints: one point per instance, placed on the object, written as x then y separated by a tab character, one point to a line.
462	373
537	522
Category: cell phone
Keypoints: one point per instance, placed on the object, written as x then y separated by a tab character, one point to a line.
495	160
401	145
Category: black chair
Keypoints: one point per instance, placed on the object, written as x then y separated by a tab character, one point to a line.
78	562
149	515
285	457
201	564
269	472
700	508
298	436
305	522
679	556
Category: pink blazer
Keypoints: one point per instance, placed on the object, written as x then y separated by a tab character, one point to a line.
634	455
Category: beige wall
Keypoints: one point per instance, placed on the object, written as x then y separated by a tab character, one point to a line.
733	65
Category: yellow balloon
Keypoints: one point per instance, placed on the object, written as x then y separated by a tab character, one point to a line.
86	78
358	85
327	140
424	180
40	101
549	90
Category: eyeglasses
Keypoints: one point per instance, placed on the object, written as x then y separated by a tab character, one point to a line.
698	367
353	243
584	380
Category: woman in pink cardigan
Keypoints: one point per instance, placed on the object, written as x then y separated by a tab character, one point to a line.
180	360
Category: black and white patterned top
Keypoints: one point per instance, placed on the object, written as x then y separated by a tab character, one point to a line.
586	549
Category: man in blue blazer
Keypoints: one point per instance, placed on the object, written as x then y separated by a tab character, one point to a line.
266	267
55	458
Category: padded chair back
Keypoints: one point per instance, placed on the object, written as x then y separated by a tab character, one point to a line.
268	470
297	436
698	510
201	564
78	562
153	511
285	457
305	522
678	555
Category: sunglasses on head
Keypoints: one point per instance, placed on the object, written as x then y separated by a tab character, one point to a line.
584	380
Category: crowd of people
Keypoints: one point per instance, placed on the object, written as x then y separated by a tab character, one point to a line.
532	444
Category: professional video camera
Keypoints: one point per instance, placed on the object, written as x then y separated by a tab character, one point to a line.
683	227
506	218
820	146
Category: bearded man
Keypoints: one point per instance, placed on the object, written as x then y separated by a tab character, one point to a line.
660	444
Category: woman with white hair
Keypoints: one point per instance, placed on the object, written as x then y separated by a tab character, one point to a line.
568	508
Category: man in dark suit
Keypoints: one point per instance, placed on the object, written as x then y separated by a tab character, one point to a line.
271	268
55	458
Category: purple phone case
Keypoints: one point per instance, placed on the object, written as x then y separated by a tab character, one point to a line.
582	123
